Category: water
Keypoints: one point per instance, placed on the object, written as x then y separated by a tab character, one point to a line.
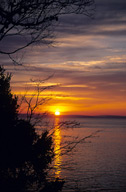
97	164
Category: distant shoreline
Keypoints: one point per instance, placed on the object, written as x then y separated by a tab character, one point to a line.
97	116
84	116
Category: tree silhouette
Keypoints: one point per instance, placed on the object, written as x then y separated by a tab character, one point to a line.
9	106
24	156
33	21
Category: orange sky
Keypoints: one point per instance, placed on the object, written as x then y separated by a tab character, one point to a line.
95	97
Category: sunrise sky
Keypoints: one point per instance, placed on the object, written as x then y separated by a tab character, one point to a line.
87	63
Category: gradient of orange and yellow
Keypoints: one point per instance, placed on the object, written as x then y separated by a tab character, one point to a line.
96	96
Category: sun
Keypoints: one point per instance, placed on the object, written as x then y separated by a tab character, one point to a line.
57	113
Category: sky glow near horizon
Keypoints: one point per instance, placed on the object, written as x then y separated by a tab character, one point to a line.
87	63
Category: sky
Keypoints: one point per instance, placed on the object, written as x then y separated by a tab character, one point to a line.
86	64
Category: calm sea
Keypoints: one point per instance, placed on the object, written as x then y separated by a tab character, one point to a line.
96	164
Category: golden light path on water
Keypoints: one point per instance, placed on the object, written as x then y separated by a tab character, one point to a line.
57	148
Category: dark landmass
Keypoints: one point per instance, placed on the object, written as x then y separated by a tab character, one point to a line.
84	116
97	116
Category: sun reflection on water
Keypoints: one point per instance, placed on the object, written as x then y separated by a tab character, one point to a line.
57	148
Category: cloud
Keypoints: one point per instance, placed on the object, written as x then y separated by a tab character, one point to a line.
88	59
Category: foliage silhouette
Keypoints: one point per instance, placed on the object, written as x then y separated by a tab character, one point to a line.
9	106
25	156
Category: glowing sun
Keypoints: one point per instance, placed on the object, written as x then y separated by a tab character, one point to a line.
57	113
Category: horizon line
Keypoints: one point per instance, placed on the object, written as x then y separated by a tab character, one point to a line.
88	116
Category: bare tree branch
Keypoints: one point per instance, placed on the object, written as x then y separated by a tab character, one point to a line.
34	21
35	100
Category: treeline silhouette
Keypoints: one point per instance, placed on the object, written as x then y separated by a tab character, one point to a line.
24	156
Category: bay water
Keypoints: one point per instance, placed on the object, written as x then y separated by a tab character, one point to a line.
97	161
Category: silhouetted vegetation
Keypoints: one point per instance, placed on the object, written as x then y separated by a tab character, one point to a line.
34	21
24	156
